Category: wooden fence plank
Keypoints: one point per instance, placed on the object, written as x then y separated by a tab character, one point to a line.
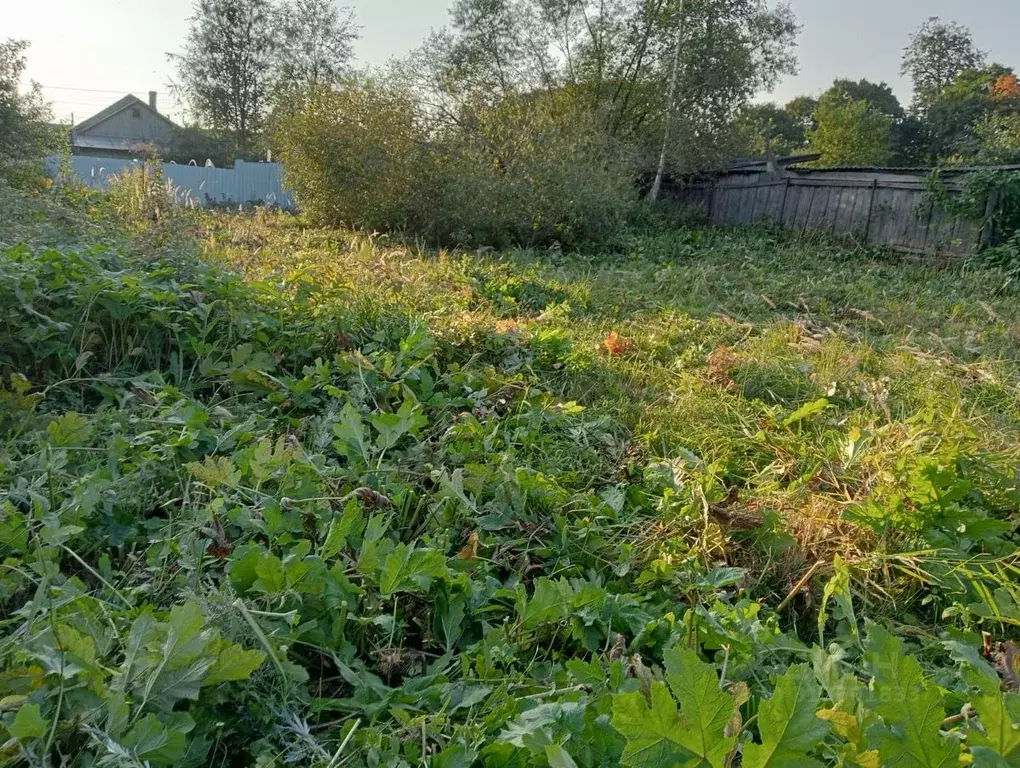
882	211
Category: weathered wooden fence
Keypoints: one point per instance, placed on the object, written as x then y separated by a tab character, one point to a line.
878	208
244	184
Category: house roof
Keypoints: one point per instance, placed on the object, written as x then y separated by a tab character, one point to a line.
120	105
106	142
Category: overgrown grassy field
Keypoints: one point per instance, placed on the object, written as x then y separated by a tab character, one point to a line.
273	495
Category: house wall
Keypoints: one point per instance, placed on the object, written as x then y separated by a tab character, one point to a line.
147	127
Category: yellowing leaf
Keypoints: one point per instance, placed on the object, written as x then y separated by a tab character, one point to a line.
741	694
232	663
21	680
616	346
216	472
869	759
470	550
843	723
806	411
10	703
70	429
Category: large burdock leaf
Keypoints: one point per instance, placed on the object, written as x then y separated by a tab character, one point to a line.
997	743
654	733
910	707
790	729
705	708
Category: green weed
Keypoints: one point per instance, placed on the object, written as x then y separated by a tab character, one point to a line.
276	495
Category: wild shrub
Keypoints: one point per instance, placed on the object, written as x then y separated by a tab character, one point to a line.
355	158
530	171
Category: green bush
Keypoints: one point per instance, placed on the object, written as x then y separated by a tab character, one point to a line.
354	157
531	171
25	134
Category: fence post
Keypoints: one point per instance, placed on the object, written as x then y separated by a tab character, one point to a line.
786	195
991	208
871	207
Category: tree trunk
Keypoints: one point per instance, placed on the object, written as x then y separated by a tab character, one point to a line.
653	195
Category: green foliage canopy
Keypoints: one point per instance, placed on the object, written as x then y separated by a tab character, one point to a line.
850	133
25	135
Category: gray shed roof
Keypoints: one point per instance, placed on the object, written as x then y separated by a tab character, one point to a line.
105	142
758	164
906	169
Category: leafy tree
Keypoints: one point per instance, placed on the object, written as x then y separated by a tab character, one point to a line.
850	133
25	136
953	115
938	52
998	139
802	110
910	142
879	96
317	44
226	70
499	47
1006	89
785	132
732	50
615	60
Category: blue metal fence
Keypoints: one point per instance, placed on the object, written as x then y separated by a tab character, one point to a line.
245	183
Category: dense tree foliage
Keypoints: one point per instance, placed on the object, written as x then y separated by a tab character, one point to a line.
244	58
937	54
953	115
226	69
192	143
531	120
316	46
25	136
878	96
849	132
960	106
614	60
769	126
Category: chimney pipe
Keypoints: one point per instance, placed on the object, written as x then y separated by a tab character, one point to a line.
152	99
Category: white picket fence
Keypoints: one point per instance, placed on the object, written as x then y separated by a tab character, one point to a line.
244	184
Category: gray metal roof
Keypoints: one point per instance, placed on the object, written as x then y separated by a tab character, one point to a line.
118	106
104	142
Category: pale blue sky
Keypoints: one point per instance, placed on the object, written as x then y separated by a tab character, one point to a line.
121	45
